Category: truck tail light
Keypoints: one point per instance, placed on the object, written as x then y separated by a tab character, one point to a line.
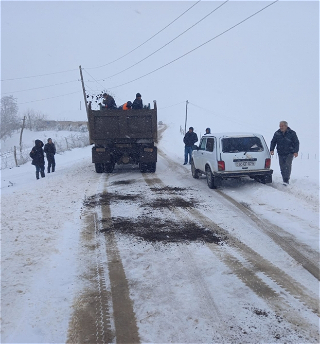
267	164
150	150
221	166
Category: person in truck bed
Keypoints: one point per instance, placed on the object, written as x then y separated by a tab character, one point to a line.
108	102
127	105
137	103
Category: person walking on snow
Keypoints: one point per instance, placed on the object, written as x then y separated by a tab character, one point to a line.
190	138
50	150
287	144
37	156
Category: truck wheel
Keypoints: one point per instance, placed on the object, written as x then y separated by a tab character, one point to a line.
99	167
109	167
152	167
194	171
210	178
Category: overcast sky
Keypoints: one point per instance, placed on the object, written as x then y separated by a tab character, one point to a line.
262	71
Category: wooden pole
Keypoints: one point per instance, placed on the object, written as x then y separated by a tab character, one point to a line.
23	123
15	155
185	123
84	92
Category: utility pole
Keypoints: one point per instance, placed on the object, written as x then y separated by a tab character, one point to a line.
185	123
23	124
84	92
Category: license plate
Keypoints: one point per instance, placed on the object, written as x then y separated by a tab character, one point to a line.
245	163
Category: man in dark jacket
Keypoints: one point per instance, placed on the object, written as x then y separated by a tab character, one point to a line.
137	103
108	102
190	138
50	150
38	158
287	144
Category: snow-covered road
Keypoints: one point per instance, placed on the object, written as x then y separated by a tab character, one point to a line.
131	257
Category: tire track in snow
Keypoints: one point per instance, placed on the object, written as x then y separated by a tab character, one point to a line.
258	263
123	313
285	240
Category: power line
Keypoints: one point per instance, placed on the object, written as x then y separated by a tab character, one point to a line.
199	46
121	57
93	78
37	88
35	76
166	43
171	106
38	100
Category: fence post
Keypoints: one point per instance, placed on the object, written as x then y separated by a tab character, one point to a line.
15	155
67	143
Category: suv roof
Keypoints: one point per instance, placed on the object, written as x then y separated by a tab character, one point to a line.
228	134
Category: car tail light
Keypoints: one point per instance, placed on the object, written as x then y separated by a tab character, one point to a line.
221	166
267	163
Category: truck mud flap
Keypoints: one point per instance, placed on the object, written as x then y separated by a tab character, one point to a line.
148	155
101	156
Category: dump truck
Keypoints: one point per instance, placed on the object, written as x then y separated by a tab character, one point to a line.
123	137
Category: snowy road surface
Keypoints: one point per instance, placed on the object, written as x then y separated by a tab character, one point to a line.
150	258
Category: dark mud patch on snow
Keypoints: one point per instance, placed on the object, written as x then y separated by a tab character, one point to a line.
158	230
123	182
108	198
260	312
176	202
169	189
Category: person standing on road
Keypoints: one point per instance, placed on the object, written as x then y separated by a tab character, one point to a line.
190	138
37	156
287	144
50	150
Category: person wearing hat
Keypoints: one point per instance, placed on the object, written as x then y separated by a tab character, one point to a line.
50	150
37	157
108	102
208	131
190	138
137	103
127	105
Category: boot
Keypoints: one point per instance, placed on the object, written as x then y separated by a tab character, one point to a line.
37	175
42	174
49	170
53	167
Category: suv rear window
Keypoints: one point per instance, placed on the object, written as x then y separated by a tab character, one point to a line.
241	144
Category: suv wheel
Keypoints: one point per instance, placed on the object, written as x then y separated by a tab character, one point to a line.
194	171
210	178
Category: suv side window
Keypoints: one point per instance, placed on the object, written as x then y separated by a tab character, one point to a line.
203	144
210	145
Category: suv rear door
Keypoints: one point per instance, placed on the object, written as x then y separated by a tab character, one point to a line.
240	153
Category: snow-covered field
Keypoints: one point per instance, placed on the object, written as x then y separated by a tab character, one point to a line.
257	283
63	139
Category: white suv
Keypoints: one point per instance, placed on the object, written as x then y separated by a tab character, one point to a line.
231	155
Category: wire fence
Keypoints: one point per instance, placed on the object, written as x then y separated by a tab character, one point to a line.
17	156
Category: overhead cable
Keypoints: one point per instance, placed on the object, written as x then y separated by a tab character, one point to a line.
108	77
131	51
39	100
35	76
199	46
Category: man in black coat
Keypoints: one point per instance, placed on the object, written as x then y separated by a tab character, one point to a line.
190	138
287	144
37	156
108	102
50	150
137	103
